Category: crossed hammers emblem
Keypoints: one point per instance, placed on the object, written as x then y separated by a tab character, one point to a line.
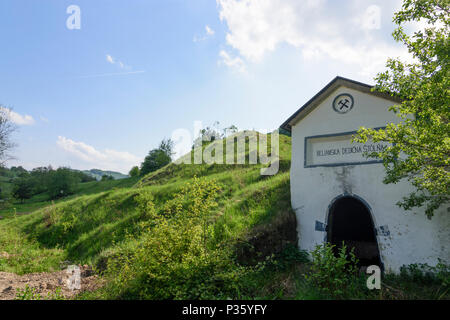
343	103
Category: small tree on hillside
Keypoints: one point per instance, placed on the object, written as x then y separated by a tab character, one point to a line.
211	133
158	158
134	172
230	130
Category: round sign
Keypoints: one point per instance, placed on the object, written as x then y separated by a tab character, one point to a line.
343	103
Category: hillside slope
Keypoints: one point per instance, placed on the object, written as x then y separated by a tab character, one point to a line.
252	211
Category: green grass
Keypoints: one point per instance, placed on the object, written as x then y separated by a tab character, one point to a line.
42	200
103	220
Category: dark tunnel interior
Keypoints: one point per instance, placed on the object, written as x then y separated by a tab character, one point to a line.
350	222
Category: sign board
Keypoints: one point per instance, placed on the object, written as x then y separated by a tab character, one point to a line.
338	150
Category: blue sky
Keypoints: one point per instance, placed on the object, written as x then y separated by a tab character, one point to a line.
103	95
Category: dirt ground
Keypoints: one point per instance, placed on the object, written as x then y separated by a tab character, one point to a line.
45	283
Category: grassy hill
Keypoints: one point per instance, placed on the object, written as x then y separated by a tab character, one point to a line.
182	232
91	226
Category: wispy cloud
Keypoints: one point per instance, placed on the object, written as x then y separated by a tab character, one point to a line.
208	33
236	63
110	59
107	159
17	118
112	74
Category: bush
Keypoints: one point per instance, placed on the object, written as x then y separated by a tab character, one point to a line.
425	274
290	256
333	274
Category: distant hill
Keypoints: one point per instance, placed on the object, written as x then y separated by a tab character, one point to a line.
98	174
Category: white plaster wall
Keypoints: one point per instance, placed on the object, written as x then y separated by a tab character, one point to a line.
413	238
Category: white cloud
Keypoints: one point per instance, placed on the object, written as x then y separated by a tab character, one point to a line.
17	118
208	33
107	159
258	26
113	60
109	59
320	30
236	63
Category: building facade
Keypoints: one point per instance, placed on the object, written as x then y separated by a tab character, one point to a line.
338	193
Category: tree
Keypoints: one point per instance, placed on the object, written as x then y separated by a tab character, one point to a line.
41	179
166	145
20	172
134	172
63	182
158	158
23	189
83	177
211	133
107	177
6	129
230	130
420	150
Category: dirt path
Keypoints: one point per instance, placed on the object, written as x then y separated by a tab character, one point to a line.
45	283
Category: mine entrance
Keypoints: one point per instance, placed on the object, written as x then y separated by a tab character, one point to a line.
350	221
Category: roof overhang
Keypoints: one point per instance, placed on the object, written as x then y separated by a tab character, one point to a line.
326	91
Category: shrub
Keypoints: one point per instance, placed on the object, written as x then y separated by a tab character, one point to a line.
332	274
426	274
290	256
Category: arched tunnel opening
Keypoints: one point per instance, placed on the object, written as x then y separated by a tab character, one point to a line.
350	221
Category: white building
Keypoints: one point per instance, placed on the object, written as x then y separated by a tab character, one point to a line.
338	194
